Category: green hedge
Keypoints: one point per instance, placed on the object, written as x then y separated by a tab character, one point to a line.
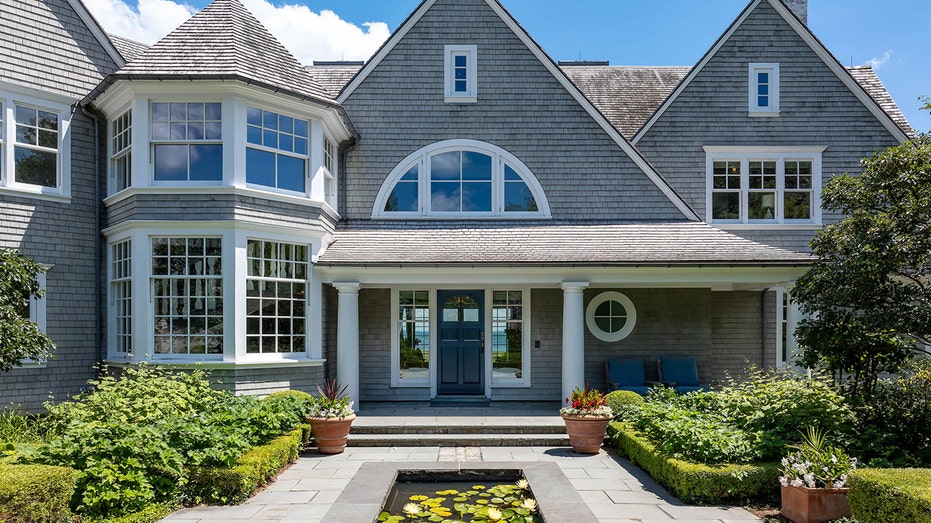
35	493
226	486
891	495
693	482
150	514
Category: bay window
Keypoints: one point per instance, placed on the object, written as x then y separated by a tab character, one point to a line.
121	155
187	141
276	297
277	150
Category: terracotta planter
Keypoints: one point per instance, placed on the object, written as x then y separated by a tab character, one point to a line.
330	434
814	505
586	433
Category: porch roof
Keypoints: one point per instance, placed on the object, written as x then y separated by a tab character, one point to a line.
630	244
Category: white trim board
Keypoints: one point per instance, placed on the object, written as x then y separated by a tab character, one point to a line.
98	32
809	38
551	66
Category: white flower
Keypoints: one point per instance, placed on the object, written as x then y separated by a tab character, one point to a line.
838	484
529	504
810	480
785	462
522	484
494	514
833	458
412	509
784	481
796	482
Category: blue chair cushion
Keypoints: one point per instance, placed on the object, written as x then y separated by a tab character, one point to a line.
639	389
626	373
682	371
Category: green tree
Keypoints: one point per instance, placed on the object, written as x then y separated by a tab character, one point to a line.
868	296
19	338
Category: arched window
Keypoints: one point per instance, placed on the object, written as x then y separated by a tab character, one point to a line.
461	178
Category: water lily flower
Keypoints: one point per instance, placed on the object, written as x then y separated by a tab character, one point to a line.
522	484
494	514
412	509
529	504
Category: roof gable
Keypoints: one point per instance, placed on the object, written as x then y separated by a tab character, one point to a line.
811	41
225	41
551	68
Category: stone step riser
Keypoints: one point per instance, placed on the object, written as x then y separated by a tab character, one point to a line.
536	440
459	429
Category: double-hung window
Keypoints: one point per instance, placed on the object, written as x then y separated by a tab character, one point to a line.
187	141
329	180
460	73
277	150
34	156
121	297
276	297
763	97
121	141
756	185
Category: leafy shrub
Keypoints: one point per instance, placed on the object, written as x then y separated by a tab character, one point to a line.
885	432
891	495
693	482
17	426
233	485
620	401
134	440
150	514
35	493
779	406
687	433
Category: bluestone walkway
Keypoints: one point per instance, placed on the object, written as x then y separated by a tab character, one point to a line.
613	488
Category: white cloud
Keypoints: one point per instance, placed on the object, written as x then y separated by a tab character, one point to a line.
307	34
878	61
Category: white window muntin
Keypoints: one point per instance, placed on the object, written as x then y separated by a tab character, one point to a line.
121	157
121	298
813	155
763	94
197	131
9	142
460	69
619	311
421	161
490	380
277	281
286	143
330	174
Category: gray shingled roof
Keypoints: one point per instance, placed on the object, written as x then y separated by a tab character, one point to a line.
333	77
224	41
130	49
626	95
641	244
866	77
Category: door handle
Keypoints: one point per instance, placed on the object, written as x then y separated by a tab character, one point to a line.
481	337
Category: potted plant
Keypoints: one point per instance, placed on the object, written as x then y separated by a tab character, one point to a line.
330	417
586	417
814	480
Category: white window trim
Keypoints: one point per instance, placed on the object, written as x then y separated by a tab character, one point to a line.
752	101
112	154
499	156
471	93
223	142
610	337
523	382
780	155
112	353
38	315
276	151
8	182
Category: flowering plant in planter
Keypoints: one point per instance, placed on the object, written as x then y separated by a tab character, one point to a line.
331	402
816	464
586	402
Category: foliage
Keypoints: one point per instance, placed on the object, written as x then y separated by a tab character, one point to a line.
585	401
867	298
505	503
222	485
683	429
891	495
816	463
694	482
17	426
331	401
885	432
20	339
620	401
135	439
778	405
35	493
150	514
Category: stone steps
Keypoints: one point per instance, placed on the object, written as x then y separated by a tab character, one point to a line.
503	432
457	440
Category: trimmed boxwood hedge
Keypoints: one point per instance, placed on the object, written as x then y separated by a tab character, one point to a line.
35	493
694	482
890	495
222	486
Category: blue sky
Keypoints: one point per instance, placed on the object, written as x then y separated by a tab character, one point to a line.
891	35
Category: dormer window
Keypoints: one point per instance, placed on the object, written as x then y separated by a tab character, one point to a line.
187	141
460	72
764	89
277	150
461	178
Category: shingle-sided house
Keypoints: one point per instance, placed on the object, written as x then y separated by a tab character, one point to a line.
458	217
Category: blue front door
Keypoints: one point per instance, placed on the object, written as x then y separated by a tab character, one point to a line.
461	342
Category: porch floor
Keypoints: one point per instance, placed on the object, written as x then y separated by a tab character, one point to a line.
419	413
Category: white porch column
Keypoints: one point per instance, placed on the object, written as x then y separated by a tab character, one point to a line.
347	338
573	337
793	316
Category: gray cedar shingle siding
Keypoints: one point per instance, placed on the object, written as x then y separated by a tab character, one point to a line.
737	323
816	108
521	107
46	46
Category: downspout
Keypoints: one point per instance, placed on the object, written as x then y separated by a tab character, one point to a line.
98	291
763	328
344	149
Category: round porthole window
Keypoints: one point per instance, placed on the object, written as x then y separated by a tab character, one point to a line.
610	316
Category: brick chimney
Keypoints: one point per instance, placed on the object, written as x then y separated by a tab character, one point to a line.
800	8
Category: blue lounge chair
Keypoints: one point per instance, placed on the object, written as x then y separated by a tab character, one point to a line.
679	373
627	375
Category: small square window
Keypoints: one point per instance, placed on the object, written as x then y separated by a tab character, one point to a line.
460	73
764	90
